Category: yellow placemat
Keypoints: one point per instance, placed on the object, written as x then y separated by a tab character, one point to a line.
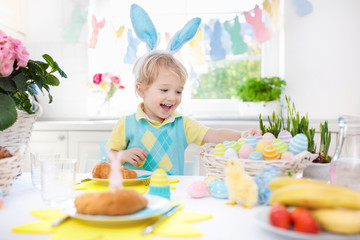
178	225
92	186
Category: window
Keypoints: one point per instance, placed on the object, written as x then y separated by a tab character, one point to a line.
218	59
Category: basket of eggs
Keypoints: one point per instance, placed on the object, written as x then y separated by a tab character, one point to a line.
289	154
10	166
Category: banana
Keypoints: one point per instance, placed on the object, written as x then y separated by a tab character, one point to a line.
280	182
338	220
316	196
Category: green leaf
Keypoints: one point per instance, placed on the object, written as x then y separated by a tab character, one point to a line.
51	80
50	61
43	65
7	84
61	72
20	81
35	68
8	114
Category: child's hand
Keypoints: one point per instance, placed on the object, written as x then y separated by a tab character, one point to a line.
134	156
251	131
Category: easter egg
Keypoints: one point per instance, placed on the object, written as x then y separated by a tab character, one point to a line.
285	136
258	136
1	193
271	153
241	141
226	143
287	156
1	201
255	155
230	153
261	145
269	137
209	179
235	145
218	189
219	149
197	189
251	140
245	151
280	145
298	144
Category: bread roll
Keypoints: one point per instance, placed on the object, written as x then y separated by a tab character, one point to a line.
102	170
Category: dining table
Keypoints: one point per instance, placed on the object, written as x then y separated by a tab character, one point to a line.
226	222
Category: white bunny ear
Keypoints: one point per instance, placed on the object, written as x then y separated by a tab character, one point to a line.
184	35
143	26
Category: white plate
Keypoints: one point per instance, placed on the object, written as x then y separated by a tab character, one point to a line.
156	206
262	218
127	182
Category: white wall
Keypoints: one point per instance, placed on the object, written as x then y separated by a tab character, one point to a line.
321	57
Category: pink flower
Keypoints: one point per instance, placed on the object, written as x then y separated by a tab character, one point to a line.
97	78
22	56
116	82
6	67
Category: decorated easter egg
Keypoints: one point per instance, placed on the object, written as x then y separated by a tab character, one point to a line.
285	136
245	151
251	140
218	189
211	151
1	193
271	153
226	143
197	189
235	145
280	145
209	179
1	201
269	137
287	156
298	144
255	155
258	136
219	149
230	153
241	141
261	145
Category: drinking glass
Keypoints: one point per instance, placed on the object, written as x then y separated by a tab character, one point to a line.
58	177
35	158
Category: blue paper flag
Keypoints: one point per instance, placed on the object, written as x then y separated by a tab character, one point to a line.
217	52
130	56
302	7
103	155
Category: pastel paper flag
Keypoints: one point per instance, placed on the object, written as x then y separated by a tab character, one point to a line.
96	27
178	225
238	44
133	43
273	10
197	56
217	52
302	7
73	29
119	31
103	155
262	33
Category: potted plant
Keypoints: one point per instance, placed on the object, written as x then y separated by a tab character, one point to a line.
260	95
21	79
294	123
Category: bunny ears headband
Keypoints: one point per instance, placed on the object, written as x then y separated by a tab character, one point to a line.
146	32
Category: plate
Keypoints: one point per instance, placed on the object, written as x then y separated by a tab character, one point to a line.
156	206
262	218
143	177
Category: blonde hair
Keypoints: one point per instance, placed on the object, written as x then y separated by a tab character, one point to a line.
147	70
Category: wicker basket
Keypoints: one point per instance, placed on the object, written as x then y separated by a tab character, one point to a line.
18	135
9	169
214	165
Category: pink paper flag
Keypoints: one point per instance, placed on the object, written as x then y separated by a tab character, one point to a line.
262	33
96	26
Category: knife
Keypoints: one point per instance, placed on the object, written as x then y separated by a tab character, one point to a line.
150	228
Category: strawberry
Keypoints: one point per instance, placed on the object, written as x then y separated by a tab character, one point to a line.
304	221
280	216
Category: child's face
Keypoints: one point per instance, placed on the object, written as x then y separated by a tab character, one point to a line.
163	96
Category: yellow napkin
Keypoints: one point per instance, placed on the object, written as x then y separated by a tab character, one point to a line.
93	186
177	225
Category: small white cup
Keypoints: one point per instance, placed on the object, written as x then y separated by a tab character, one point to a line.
58	177
35	158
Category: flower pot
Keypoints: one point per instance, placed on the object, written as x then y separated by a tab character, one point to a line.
253	109
319	171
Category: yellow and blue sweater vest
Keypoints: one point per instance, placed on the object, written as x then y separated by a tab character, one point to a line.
165	145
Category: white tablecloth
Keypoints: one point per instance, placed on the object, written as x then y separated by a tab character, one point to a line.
228	222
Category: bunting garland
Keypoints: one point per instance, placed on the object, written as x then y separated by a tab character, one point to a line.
262	33
133	42
96	27
72	31
238	44
302	7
